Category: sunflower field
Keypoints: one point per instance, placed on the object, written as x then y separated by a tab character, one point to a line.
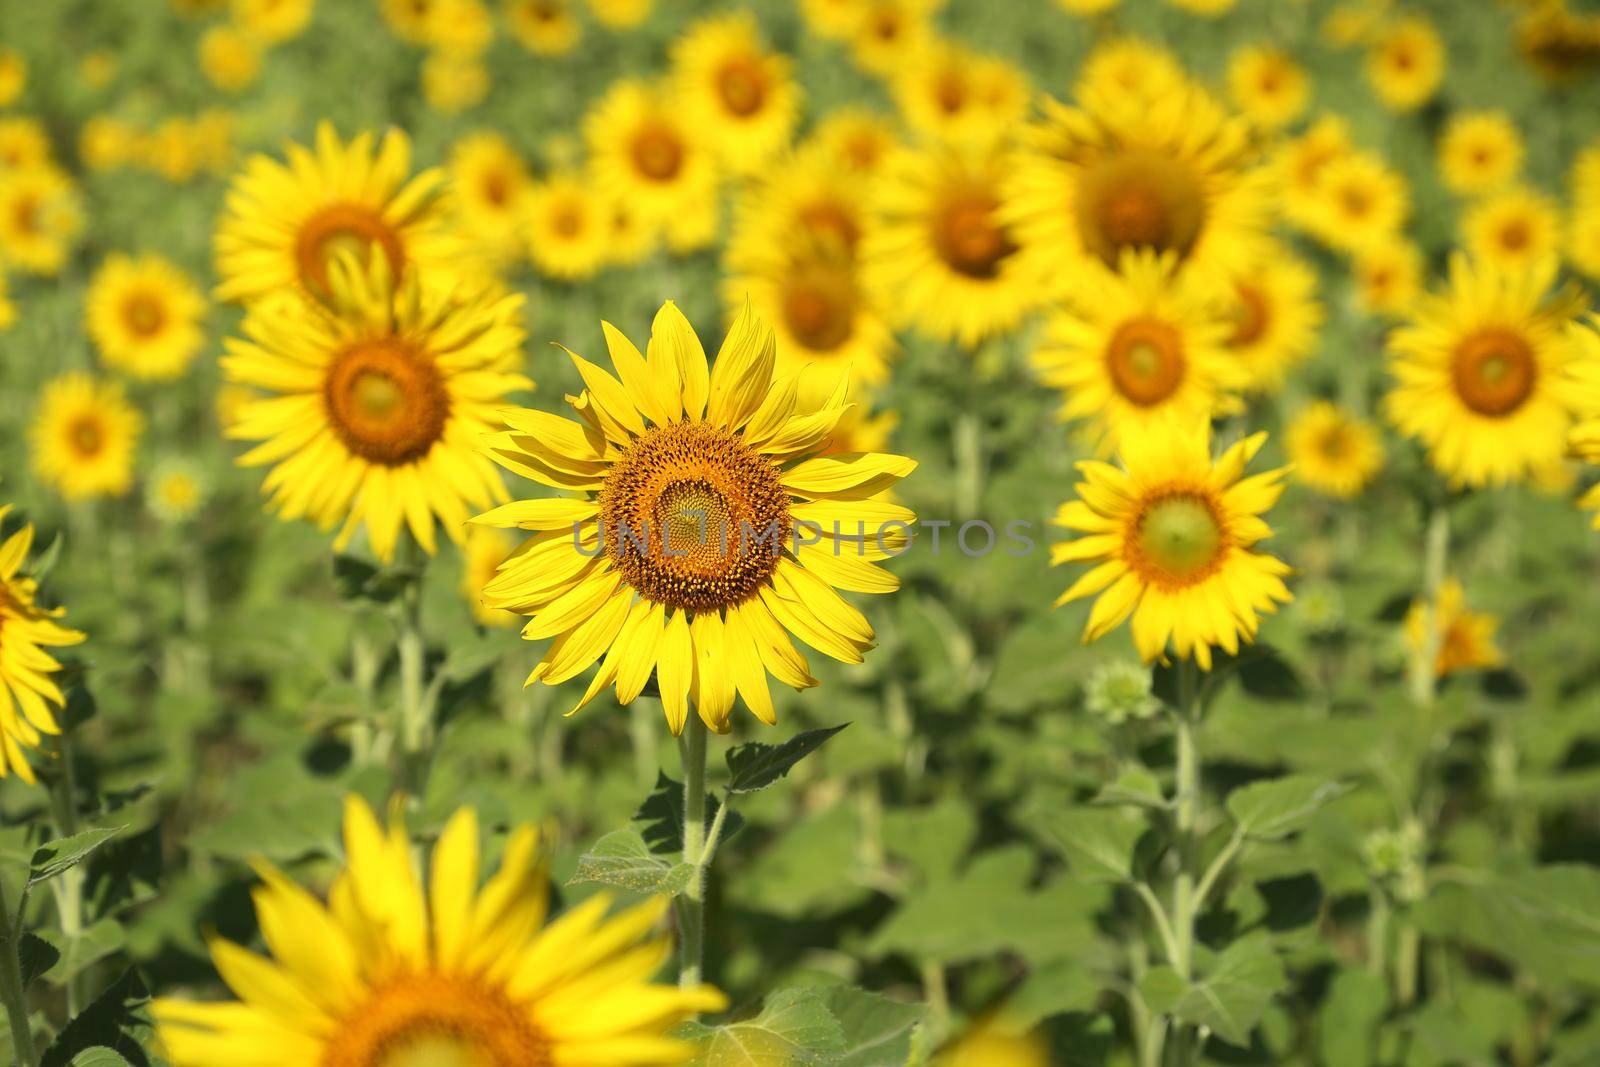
799	533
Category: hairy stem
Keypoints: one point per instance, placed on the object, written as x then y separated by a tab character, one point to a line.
692	905
12	990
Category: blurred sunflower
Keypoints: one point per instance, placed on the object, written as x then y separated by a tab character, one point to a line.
1132	68
13	76
453	82
855	140
644	152
1360	199
397	971
1173	537
1275	316
1206	8
273	21
26	630
1087	7
1333	451
371	408
1583	238
621	14
739	95
629	241
230	58
1480	152
1515	229
1483	373
678	560
143	315
460	29
41	218
991	1043
941	255
489	190
409	19
1406	63
83	436
1301	163
8	310
1268	86
175	490
283	224
805	206
1465	638
568	227
1387	275
1168	177
23	143
819	311
1585	176
887	34
1584	442
483	553
957	96
1141	349
544	27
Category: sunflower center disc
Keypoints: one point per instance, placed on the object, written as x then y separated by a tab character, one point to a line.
1140	200
742	87
430	1020
819	309
692	518
968	238
1145	361
1494	372
437	1051
144	315
1180	535
86	436
339	227
1250	316
657	153
387	404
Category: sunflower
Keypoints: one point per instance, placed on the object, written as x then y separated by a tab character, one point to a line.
1480	152
273	21
1585	177
409	19
1132	68
485	550
1406	63
855	140
804	206
1360	199
820	313
1275	316
283	224
739	94
1087	7
705	535
1207	8
1583	238
621	14
84	435
461	29
143	314
26	630
1559	43
97	68
1300	165
1173	534
941	254
887	34
105	143
1465	638
1333	451
13	76
1483	373
994	1043
1142	348
373	408
41	217
230	58
1514	229
1388	275
956	96
646	153
1268	85
1170	176
453	82
629	241
393	971
175	490
1584	442
568	228
23	143
8	310
489	191
544	27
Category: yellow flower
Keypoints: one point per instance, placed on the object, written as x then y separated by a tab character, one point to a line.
1406	63
175	491
629	241
489	192
13	76
453	83
804	206
1207	8
273	21
1333	451
956	96
1275	316
1560	44
621	14
1465	638
704	535
229	58
544	27
8	310
991	1043
1359	200
1515	229
144	316
84	435
411	20
568	227
1142	349
1173	537
394	970
1584	442
41	218
1388	275
1299	166
740	96
1131	68
105	143
23	144
1585	176
889	33
646	153
1480	152
1168	177
461	29
283	224
821	315
97	68
1268	85
373	406
485	550
941	255
1087	7
1483	373
26	630
1583	238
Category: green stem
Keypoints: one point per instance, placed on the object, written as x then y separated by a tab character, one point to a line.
12	989
1185	898
68	886
1407	963
1435	552
416	726
936	991
692	905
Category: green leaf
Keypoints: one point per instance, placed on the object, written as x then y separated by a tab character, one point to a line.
795	1029
621	858
661	817
36	956
878	1031
1098	843
356	579
1348	1022
755	766
112	1021
1135	788
1270	810
100	1056
1232	992
65	853
74	954
1054	989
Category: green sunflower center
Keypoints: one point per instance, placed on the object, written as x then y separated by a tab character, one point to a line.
387	403
1180	538
1494	372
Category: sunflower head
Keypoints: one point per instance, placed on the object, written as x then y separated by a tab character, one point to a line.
1406	63
144	316
1515	229
1480	152
1460	639
84	435
1333	451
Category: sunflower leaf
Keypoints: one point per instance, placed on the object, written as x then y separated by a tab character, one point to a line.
65	853
1274	809
795	1028
621	858
661	817
755	766
114	1021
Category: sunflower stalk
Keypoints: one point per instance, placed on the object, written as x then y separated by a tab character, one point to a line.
13	990
417	697
697	843
1186	894
68	886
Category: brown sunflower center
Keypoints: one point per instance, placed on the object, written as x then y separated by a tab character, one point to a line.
352	227
25	215
1494	372
968	237
657	152
496	188
144	314
1251	315
567	219
1145	361
1516	235
387	403
1140	199
692	518
87	436
742	85
437	1021
950	92
1335	443
1356	200
831	226
1177	539
819	306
